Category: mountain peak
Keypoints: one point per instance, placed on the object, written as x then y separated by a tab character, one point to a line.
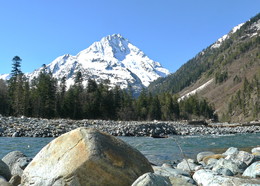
112	58
113	37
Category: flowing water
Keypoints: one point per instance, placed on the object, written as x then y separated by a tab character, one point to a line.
157	150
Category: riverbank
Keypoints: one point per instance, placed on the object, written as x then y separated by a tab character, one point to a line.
36	127
117	159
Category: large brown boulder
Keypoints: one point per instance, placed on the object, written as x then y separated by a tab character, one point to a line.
86	157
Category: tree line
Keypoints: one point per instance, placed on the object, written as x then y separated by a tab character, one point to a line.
246	102
44	97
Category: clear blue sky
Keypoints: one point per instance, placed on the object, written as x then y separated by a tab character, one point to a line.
168	31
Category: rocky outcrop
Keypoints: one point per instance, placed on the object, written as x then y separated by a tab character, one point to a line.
86	157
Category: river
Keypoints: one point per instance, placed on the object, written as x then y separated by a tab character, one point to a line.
157	150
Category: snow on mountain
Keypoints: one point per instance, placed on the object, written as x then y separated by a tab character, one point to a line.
200	88
252	31
113	58
218	43
5	76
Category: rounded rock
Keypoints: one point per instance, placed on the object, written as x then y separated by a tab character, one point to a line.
86	157
201	155
152	179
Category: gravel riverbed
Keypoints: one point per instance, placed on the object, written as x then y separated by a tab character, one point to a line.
36	127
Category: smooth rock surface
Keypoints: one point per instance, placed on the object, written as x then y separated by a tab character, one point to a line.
256	150
3	182
243	156
15	180
5	171
214	156
151	179
187	165
16	162
209	178
201	155
224	172
253	170
234	167
165	171
176	176
86	157
231	151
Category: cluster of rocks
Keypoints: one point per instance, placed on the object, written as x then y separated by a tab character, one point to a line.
233	167
89	157
36	127
80	157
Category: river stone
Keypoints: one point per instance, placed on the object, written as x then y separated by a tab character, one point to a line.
225	172
205	177
15	180
11	158
234	167
243	156
15	134
214	156
187	165
211	163
256	150
253	170
5	171
201	155
166	171
182	180
176	176
257	156
16	162
3	182
231	151
86	157
151	179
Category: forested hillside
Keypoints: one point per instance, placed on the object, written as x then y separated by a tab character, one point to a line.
44	97
231	63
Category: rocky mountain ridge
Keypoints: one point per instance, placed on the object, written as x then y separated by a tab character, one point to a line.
220	71
112	58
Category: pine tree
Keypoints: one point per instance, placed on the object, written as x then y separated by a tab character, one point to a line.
78	90
4	104
16	88
44	95
61	97
154	108
16	66
142	105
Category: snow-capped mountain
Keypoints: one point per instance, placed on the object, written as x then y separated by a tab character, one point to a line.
226	36
253	30
113	58
5	76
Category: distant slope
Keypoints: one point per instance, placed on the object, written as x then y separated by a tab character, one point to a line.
230	61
